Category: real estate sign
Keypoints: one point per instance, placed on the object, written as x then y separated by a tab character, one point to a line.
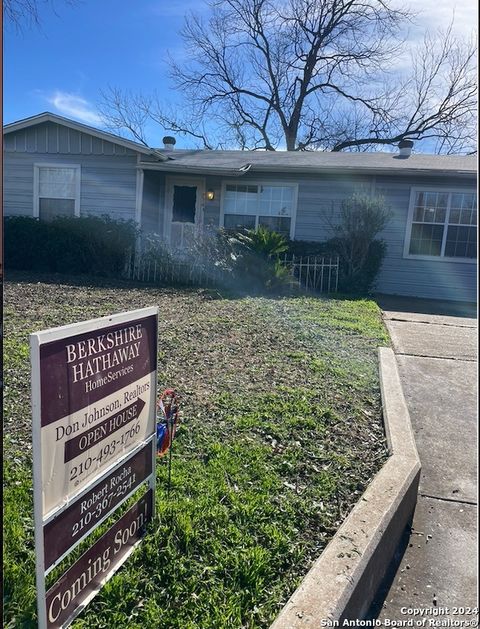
82	581
71	525
94	406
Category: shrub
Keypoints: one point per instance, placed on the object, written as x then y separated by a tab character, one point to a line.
362	280
360	220
257	265
209	259
307	248
264	242
215	250
88	244
24	242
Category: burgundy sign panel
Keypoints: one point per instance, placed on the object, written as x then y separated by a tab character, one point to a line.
61	533
95	566
86	368
88	439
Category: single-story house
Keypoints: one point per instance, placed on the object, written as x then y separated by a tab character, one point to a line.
53	165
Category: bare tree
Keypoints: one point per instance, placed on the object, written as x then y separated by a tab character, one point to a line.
310	74
128	112
18	12
22	13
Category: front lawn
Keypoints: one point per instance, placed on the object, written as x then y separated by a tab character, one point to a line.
281	433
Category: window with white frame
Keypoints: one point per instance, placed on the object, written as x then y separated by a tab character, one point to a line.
443	225
57	191
248	206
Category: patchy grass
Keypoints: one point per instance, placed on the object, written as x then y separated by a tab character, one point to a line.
281	434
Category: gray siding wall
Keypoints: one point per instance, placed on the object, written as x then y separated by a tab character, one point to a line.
52	138
211	215
319	198
108	171
18	184
436	279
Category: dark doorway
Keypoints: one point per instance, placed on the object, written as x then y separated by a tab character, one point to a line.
184	202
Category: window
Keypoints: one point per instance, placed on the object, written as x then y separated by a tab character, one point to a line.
184	204
56	190
443	225
248	206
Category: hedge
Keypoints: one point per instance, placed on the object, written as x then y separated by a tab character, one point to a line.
89	244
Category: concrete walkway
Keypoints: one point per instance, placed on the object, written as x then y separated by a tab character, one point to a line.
437	360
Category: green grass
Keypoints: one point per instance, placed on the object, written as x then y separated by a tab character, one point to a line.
281	432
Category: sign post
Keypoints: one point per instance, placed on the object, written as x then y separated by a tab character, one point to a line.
94	408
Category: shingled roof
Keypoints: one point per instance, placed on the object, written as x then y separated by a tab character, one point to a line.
240	162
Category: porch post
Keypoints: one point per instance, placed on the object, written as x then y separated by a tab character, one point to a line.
139	197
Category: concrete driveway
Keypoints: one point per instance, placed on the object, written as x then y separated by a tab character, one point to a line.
437	360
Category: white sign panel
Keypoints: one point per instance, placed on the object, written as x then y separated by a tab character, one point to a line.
94	395
94	409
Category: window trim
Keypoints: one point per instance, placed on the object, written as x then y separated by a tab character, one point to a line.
260	182
36	185
408	234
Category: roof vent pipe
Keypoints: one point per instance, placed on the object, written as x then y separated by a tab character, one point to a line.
169	143
405	147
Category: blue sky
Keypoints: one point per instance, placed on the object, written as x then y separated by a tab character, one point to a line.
83	47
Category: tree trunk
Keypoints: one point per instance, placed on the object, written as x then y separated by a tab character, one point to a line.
291	141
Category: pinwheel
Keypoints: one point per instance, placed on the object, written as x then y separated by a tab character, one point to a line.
167	422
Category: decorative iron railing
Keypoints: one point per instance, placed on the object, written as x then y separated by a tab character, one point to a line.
318	274
311	274
146	267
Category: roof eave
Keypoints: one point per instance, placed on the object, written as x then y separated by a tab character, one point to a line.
178	167
194	170
363	170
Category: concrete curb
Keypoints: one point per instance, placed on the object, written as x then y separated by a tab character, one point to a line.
345	578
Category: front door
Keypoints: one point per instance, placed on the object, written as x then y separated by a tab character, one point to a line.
184	215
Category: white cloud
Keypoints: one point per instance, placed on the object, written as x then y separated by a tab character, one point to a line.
432	15
464	14
74	106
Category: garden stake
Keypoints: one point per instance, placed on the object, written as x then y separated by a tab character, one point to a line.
170	460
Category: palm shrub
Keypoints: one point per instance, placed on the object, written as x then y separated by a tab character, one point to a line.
263	242
257	262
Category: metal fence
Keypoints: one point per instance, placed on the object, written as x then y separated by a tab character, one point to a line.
311	274
146	267
316	274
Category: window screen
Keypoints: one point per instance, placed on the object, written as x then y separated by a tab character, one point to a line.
57	191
